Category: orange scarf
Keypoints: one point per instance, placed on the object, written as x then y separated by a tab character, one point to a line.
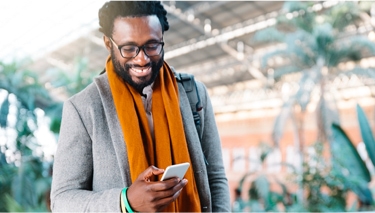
170	145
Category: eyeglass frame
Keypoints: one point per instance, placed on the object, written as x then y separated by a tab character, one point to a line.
139	48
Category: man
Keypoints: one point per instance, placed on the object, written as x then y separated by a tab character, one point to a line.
120	133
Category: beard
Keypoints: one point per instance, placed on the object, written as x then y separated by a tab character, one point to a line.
123	71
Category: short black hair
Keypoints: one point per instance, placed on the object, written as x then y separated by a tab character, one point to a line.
113	9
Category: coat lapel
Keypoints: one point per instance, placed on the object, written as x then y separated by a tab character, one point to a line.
114	127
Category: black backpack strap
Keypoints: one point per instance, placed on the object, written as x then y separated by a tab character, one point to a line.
190	86
191	89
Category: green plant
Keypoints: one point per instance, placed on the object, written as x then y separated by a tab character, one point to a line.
24	178
316	43
325	187
25	175
327	183
262	195
346	160
25	188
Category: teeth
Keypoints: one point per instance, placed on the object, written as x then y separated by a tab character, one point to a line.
139	70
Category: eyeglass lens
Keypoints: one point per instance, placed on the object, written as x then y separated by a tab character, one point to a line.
131	51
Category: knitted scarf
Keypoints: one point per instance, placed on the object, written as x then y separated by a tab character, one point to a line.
169	146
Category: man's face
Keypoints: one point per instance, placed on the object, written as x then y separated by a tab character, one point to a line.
141	70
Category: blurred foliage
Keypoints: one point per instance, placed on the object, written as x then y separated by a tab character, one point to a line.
71	83
23	180
316	42
25	176
325	185
366	133
266	190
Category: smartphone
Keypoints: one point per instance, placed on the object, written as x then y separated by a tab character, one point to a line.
177	170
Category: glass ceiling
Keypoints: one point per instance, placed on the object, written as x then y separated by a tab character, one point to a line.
32	28
56	31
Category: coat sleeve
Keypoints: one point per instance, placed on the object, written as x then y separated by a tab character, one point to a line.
211	147
73	170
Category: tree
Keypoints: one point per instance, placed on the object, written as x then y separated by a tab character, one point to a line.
316	42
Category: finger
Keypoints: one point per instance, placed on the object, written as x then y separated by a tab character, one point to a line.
164	202
151	171
169	187
165	185
156	170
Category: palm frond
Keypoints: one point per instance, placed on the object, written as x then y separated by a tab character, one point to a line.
365	72
285	70
344	14
270	34
353	48
304	47
324	38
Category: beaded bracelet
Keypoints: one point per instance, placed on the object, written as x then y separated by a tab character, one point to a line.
123	210
125	199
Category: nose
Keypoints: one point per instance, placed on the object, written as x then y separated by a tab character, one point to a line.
141	59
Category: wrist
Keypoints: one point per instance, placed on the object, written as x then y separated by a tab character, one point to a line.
125	201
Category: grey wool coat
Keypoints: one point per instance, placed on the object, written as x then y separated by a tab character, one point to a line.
91	166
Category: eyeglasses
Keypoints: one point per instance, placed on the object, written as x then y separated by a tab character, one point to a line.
131	51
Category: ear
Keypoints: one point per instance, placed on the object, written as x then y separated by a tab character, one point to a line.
107	43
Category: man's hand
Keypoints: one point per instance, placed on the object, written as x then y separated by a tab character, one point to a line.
146	196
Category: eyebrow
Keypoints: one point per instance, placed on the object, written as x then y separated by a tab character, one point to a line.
135	44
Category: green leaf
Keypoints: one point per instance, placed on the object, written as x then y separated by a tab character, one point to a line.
346	156
4	111
262	187
364	193
324	37
12	205
366	133
347	160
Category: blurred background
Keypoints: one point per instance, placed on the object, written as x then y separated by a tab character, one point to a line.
292	85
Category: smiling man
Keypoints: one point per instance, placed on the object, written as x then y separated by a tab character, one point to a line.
120	133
